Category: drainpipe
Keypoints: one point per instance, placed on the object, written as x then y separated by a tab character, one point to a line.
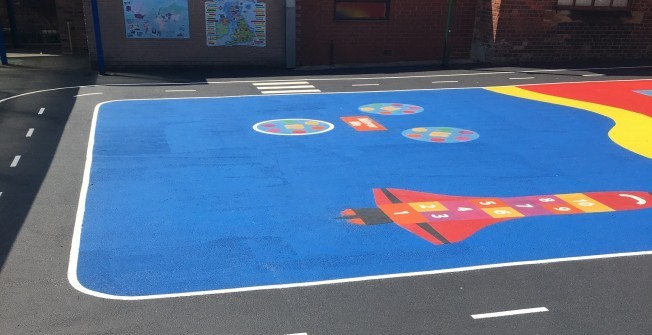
98	38
449	22
290	34
3	51
15	40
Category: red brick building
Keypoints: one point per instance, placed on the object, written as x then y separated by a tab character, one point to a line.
333	32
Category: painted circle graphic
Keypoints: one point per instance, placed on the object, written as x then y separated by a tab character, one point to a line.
440	134
293	127
384	108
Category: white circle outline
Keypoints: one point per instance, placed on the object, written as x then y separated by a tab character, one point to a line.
332	126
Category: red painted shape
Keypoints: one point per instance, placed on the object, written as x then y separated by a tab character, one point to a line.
416	230
620	94
363	123
623	200
461	230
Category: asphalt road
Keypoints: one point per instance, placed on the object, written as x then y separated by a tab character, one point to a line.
40	193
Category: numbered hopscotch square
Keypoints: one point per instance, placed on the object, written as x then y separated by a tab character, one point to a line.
561	208
503	212
526	206
401	213
488	202
584	203
428	206
461	210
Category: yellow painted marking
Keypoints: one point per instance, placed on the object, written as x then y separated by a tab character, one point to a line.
584	203
439	134
294	126
419	130
633	131
312	123
503	212
428	206
366	109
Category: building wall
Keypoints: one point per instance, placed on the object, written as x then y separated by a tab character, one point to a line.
413	32
511	31
70	14
120	51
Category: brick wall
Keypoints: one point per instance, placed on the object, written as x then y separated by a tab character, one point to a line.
120	51
70	14
413	32
511	31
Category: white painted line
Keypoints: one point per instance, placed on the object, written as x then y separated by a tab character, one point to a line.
593	75
281	83
86	94
509	313
287	87
550	70
298	334
365	85
521	78
445	81
30	132
14	163
41	111
0	194
180	90
290	91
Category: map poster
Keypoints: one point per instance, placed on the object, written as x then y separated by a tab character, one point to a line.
233	22
156	18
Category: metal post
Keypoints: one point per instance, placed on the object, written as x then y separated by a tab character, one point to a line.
15	40
98	38
449	22
3	51
290	34
69	37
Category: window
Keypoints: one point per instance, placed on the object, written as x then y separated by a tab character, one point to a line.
361	9
594	4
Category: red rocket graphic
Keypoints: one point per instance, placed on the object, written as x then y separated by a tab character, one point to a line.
443	219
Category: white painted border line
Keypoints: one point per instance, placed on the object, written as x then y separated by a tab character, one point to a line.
521	78
284	87
291	91
76	238
29	132
170	91
274	83
445	81
365	85
14	163
298	334
86	94
40	111
509	313
593	75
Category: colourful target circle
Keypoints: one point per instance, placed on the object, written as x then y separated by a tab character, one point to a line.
384	108
440	134
293	127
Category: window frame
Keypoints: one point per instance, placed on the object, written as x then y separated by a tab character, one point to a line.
387	10
593	7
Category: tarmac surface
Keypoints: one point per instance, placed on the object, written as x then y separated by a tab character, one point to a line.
47	110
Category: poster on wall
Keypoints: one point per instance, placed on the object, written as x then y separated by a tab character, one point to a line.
156	18
233	22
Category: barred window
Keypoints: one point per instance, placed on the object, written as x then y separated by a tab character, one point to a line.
594	4
361	9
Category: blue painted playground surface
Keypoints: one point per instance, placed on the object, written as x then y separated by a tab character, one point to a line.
185	195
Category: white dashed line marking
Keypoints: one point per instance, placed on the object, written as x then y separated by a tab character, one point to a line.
298	334
41	111
365	85
509	313
14	163
30	132
276	83
86	94
291	91
593	75
169	91
521	78
285	87
445	81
